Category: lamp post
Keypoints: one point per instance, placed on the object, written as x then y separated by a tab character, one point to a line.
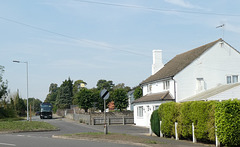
27	83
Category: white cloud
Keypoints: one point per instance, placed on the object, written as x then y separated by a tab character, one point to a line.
182	3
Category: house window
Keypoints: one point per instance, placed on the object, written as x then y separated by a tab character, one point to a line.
232	79
229	79
140	111
166	85
149	88
156	107
235	78
200	84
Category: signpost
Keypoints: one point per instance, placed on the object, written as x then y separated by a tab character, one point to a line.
105	95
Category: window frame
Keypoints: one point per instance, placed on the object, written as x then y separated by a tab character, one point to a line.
149	88
140	111
166	85
231	79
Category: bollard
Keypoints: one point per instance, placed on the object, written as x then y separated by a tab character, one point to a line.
108	120
217	141
161	134
150	130
193	134
105	129
176	134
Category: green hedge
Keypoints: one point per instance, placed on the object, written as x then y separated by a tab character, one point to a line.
228	122
168	114
155	123
204	115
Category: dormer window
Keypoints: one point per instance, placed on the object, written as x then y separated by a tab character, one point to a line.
166	85
200	85
232	79
149	88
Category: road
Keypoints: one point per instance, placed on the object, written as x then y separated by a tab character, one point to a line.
42	139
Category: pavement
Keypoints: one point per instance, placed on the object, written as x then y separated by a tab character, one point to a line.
143	132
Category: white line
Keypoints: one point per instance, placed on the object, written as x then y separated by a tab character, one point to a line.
7	144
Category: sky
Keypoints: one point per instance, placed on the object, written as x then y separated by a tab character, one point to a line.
91	40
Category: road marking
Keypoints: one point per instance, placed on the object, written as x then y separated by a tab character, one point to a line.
7	144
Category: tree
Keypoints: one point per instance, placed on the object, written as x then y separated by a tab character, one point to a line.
122	85
35	104
20	105
101	84
85	98
3	85
120	98
137	93
65	94
76	87
52	96
98	101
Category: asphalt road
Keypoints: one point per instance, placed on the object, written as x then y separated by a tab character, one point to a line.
44	139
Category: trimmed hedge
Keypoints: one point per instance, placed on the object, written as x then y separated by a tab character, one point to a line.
155	123
204	115
168	114
228	122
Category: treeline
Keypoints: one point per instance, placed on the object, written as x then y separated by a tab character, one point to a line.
75	93
14	106
209	118
17	107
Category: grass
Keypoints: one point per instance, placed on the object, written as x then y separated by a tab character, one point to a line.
19	126
113	137
12	119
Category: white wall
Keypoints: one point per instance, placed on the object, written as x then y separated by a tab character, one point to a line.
130	100
158	87
148	107
213	66
233	93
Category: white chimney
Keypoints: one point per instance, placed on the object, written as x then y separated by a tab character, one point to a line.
157	61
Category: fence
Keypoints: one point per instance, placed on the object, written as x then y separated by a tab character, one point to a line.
98	118
193	133
113	120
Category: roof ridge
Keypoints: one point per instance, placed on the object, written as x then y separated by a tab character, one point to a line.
213	42
179	62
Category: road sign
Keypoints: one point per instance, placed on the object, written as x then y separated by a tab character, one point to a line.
104	94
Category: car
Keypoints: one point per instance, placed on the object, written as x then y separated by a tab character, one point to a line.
37	113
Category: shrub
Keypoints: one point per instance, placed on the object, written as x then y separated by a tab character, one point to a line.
200	113
200	117
228	122
155	123
184	120
168	113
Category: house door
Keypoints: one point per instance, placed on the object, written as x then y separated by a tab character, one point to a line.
148	115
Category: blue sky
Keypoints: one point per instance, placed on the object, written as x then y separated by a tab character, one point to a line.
104	39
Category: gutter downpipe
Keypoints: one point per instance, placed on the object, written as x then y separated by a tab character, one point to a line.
175	93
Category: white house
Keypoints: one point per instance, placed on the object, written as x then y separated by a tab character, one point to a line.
188	75
130	100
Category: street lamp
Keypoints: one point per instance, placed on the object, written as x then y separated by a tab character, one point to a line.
27	83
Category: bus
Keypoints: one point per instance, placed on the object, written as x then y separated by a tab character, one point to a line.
46	110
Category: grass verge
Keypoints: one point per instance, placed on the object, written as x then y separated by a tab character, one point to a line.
22	126
124	138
